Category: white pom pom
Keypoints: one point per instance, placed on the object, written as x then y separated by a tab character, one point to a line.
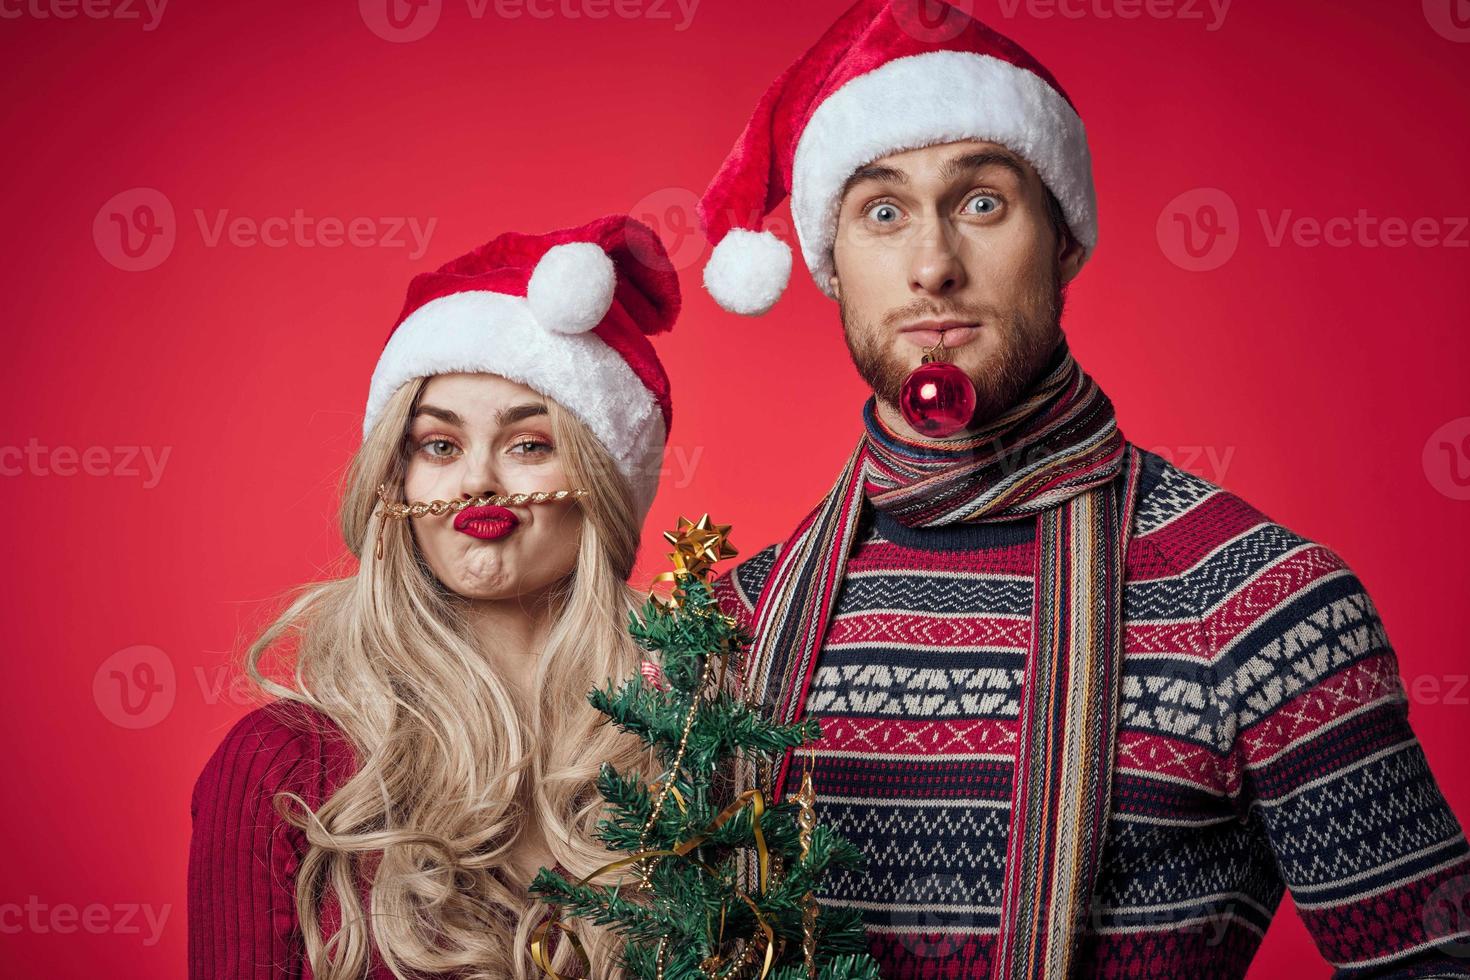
572	287
748	271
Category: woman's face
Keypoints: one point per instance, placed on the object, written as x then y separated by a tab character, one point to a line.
476	434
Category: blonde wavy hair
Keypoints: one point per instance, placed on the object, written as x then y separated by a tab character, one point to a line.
453	770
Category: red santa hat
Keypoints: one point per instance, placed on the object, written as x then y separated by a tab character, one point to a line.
567	313
881	80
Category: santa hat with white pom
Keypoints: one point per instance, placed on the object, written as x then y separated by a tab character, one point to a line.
888	76
567	313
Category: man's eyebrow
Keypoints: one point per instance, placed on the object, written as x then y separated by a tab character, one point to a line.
979	160
890	175
506	416
953	168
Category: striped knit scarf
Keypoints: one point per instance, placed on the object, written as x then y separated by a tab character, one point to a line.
1057	456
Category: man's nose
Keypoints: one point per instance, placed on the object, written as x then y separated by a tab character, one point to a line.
935	266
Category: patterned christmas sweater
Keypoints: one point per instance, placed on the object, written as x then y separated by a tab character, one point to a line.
1264	743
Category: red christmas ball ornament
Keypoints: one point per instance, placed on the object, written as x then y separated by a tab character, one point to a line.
937	399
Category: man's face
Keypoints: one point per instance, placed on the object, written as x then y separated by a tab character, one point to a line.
951	243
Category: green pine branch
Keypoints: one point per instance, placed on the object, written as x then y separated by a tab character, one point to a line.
603	906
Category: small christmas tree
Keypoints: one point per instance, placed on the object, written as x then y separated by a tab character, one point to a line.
690	912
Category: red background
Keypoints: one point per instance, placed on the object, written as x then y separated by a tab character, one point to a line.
1311	380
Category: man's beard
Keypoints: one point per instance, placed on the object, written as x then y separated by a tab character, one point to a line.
1024	344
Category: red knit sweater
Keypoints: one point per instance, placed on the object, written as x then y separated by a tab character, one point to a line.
243	857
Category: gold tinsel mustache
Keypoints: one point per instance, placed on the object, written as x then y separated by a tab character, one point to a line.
419	508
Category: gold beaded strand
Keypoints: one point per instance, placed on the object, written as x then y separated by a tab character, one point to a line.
393	509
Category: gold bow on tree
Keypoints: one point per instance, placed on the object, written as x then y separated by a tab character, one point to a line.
698	545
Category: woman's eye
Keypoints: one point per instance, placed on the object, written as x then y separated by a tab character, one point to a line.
528	447
439	448
884	214
982	204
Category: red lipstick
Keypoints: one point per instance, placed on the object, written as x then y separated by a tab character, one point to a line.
486	523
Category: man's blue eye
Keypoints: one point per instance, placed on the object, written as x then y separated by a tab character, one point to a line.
884	213
987	202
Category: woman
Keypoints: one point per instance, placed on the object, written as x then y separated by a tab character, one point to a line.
432	746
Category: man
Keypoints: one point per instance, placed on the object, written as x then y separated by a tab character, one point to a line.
1085	713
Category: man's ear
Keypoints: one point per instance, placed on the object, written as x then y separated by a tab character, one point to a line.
834	286
1069	255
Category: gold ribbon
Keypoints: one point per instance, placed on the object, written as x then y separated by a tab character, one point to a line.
671	601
